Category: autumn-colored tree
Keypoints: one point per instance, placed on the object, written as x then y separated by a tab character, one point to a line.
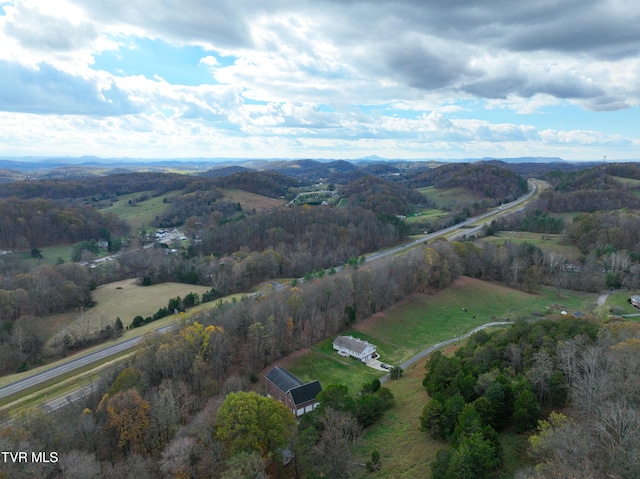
129	416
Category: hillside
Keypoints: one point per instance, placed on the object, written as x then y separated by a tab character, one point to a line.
488	181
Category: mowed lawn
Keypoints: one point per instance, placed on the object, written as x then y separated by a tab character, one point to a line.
403	331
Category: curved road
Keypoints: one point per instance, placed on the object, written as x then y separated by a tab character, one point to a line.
443	344
56	371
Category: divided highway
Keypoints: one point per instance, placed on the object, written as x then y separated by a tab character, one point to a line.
468	227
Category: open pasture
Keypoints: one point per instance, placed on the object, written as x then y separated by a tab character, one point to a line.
445	198
249	201
544	241
124	299
423	320
141	213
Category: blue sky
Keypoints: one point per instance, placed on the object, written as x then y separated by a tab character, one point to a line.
408	79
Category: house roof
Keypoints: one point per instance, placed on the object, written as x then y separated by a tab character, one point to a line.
283	379
306	392
352	344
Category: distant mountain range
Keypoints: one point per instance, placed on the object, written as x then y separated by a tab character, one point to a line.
39	164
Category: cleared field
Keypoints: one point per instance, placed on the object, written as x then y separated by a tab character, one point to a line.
427	214
448	197
427	319
630	182
123	299
550	242
250	201
618	303
143	213
52	253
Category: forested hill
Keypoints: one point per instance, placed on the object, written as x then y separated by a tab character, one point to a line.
117	184
265	183
486	180
382	196
600	177
310	171
603	187
41	222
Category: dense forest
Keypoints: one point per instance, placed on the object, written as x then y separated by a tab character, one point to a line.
305	238
96	187
35	223
486	180
381	196
516	377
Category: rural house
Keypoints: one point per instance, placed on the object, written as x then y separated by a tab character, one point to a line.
634	301
294	393
354	347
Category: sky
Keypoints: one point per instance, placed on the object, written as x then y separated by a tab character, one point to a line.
341	79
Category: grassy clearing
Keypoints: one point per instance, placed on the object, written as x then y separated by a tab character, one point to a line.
249	201
424	320
143	213
618	304
405	451
630	182
52	253
445	198
545	242
124	299
426	214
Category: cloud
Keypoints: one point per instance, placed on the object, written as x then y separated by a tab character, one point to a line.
45	32
343	74
50	91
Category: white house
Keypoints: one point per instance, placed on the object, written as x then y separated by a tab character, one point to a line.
354	347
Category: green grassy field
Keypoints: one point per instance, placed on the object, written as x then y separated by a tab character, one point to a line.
618	303
143	213
426	214
546	242
630	182
448	197
403	331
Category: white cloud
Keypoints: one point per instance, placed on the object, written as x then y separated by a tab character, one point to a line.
345	76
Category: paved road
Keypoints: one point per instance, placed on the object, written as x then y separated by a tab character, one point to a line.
446	343
71	365
113	350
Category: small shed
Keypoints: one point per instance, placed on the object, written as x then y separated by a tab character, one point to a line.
355	347
298	396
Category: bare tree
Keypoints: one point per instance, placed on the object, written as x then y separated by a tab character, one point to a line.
77	464
334	450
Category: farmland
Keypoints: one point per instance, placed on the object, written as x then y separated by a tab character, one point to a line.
404	330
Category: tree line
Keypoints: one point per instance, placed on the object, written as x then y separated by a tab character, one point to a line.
97	187
304	238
